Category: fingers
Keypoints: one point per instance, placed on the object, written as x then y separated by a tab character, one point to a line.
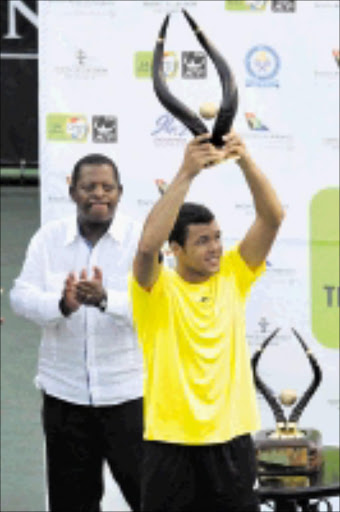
71	278
89	292
204	137
97	274
234	146
83	274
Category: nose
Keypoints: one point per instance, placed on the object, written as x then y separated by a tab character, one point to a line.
215	245
98	191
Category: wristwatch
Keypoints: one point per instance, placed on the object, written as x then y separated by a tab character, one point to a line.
102	304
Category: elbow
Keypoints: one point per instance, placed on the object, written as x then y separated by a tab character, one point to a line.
147	249
279	217
274	219
282	215
15	302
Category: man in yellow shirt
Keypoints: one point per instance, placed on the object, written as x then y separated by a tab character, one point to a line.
200	405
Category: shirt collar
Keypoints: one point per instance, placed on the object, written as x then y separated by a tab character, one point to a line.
116	229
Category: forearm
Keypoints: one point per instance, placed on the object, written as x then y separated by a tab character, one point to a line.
267	205
162	217
40	307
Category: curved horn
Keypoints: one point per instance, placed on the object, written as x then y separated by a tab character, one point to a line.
172	104
229	103
317	377
266	392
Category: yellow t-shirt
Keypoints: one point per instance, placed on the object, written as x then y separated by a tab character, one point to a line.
198	383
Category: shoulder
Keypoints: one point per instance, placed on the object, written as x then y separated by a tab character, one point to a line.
56	229
126	227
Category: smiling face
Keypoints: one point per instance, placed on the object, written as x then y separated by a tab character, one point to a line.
96	194
200	256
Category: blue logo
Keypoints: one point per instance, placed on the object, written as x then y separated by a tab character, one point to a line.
262	64
168	126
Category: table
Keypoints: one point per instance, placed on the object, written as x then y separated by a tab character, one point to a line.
324	484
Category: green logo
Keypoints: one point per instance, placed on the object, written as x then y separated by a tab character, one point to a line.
246	5
66	127
325	289
143	64
144	60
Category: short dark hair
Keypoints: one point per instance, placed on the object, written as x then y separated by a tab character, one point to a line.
189	213
93	159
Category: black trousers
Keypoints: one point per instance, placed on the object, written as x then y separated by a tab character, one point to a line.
78	441
212	478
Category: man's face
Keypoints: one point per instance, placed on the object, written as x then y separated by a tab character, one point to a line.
200	257
96	193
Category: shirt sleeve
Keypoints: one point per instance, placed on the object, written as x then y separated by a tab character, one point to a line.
244	275
28	297
144	305
118	303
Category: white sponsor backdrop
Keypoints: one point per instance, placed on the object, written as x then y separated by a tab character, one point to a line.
96	96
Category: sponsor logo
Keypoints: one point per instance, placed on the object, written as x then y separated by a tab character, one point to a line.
326	4
266	137
325	71
194	65
262	65
104	129
246	5
336	55
283	5
263	324
143	64
161	185
168	131
66	127
249	209
82	66
169	5
254	122
325	253
331	143
170	64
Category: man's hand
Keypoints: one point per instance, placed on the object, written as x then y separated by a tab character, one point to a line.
199	154
90	292
235	148
69	301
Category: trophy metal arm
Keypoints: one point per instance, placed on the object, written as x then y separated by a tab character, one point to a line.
263	388
229	103
317	377
167	99
288	455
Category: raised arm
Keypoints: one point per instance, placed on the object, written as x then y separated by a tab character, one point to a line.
269	212
161	219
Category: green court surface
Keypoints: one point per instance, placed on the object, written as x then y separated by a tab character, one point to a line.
22	473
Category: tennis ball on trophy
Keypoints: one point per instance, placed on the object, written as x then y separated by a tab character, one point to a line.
288	396
208	110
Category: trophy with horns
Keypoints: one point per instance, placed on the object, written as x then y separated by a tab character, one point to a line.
288	455
192	121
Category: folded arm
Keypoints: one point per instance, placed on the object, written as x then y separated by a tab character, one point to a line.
28	297
257	242
160	221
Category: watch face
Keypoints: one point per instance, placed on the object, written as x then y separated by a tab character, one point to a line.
103	304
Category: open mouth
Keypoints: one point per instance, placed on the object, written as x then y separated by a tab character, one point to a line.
213	261
98	207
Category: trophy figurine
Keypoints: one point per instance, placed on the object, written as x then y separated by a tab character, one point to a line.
228	107
288	455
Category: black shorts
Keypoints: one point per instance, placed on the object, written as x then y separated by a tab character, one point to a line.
211	477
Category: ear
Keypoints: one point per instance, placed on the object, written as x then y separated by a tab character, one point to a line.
175	248
72	192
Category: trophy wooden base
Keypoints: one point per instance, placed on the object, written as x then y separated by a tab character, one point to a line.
288	457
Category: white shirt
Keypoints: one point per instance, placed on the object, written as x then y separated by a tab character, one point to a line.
90	357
